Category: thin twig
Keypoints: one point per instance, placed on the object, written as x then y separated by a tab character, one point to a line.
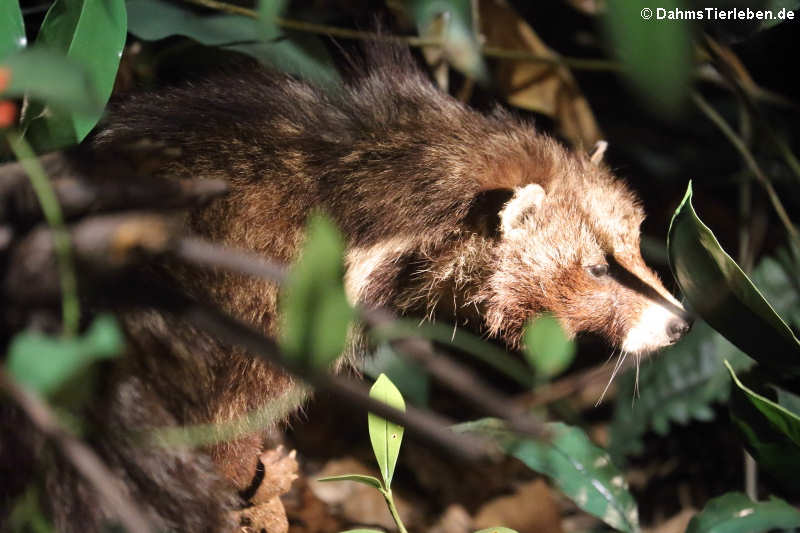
52	211
562	388
433	427
81	456
749	159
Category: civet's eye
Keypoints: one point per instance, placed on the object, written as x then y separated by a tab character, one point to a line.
598	271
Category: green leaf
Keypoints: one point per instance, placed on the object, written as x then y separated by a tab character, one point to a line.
386	436
412	381
718	290
12	28
358	478
92	33
736	513
301	54
44	363
451	22
496	530
364	531
313	304
581	470
547	347
656	55
770	431
50	77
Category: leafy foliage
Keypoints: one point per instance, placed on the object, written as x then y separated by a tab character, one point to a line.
718	290
736	513
655	55
771	432
91	34
314	304
581	470
547	347
300	54
385	436
45	364
12	29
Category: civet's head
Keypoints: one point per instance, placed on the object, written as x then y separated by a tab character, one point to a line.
569	244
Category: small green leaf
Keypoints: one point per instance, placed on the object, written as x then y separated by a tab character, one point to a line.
451	22
12	28
386	436
50	77
656	55
92	33
770	431
314	305
736	513
718	290
496	530
358	478
581	470
45	363
547	347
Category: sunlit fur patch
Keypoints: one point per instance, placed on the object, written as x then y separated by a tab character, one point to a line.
649	332
363	261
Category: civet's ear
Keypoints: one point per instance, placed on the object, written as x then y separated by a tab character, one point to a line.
597	152
484	213
525	200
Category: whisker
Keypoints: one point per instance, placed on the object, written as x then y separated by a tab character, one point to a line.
620	360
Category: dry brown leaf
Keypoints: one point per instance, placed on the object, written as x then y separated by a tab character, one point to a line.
531	509
455	519
358	503
546	88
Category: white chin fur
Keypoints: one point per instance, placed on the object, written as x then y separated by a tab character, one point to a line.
650	332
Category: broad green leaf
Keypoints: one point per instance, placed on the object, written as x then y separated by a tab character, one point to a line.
451	21
314	305
300	54
656	55
581	470
12	28
547	347
384	435
46	363
412	381
268	12
788	400
718	290
736	513
686	379
770	431
496	530
91	33
358	478
49	77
